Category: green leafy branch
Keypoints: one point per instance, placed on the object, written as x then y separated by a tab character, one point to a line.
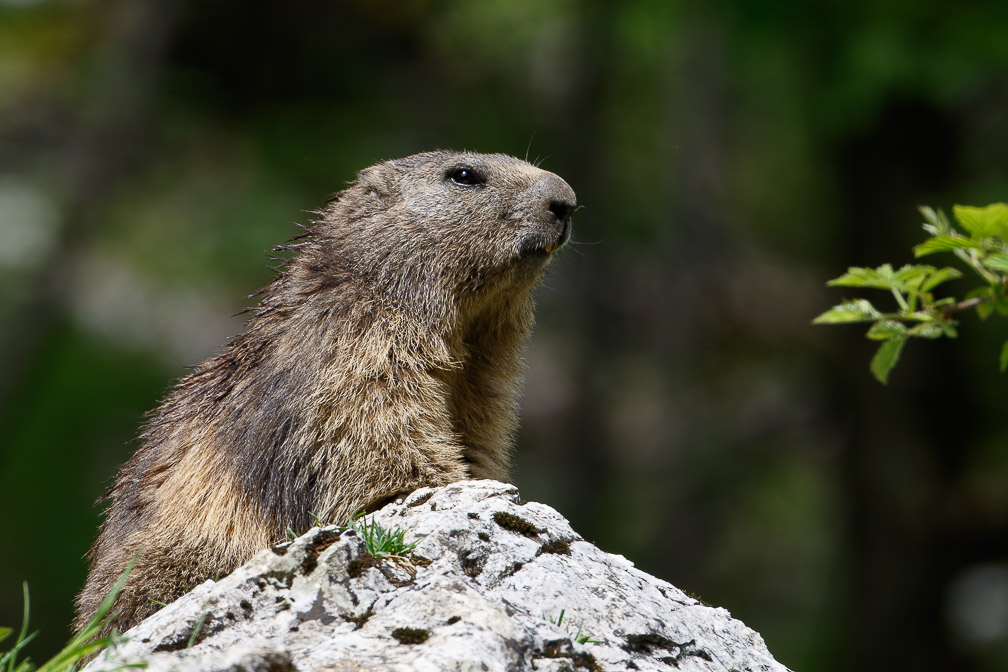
981	245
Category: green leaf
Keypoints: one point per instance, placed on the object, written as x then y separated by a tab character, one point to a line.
985	222
930	330
883	277
939	276
981	293
5	633
886	357
943	244
1004	357
944	303
858	310
864	277
912	276
883	330
932	224
996	262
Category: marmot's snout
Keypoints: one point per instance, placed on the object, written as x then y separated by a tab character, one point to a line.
552	221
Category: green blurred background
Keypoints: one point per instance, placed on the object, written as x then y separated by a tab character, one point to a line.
680	409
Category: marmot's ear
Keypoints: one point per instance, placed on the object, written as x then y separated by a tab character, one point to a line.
375	179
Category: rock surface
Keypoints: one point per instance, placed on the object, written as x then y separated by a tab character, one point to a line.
477	593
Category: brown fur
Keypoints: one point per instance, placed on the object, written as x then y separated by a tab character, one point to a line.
386	356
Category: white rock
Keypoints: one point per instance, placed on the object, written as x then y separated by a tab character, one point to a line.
486	577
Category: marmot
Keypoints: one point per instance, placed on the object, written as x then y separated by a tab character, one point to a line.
386	355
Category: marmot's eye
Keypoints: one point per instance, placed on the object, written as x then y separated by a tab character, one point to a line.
466	177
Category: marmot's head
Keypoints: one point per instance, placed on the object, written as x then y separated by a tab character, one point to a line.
449	226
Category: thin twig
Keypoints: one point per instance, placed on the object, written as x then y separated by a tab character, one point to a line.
965	305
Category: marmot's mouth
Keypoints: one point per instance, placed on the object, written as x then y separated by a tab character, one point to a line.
564	237
546	243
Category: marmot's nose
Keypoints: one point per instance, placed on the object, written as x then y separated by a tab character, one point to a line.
561	209
550	190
